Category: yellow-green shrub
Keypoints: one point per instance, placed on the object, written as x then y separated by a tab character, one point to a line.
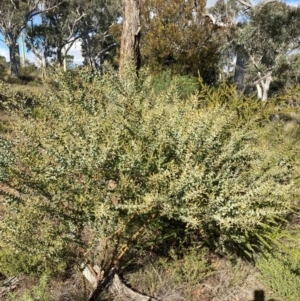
202	165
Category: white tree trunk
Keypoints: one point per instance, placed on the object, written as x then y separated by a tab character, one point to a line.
263	86
259	91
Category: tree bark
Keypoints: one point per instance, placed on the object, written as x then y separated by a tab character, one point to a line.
130	40
14	70
239	70
119	289
59	57
259	91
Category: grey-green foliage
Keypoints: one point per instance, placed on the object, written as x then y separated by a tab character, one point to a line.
9	98
166	159
6	157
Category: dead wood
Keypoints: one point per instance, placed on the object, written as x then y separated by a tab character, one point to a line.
117	288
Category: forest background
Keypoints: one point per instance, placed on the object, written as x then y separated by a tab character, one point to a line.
170	156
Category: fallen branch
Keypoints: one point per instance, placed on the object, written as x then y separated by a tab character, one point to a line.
8	285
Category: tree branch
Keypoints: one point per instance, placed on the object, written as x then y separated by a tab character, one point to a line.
32	14
266	2
73	27
210	16
33	49
13	3
104	50
249	5
262	78
70	44
252	60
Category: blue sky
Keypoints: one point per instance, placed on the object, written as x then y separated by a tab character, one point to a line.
75	50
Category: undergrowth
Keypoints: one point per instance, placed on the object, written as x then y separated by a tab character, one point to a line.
173	278
281	274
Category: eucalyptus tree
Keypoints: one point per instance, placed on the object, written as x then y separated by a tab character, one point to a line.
60	30
98	42
270	36
231	17
14	16
38	41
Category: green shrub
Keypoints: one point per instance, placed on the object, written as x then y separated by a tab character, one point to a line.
281	274
8	97
186	85
114	161
38	113
3	128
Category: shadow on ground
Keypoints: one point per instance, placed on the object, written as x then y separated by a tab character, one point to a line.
259	295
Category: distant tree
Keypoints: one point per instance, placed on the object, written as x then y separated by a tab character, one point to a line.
269	38
14	16
63	25
179	36
73	20
38	41
98	43
292	71
231	15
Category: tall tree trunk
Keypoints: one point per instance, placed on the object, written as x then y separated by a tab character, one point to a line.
59	57
44	65
41	56
86	45
14	70
130	40
239	70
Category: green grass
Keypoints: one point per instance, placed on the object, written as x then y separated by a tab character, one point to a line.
281	274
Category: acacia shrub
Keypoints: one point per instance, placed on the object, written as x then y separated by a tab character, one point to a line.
110	163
